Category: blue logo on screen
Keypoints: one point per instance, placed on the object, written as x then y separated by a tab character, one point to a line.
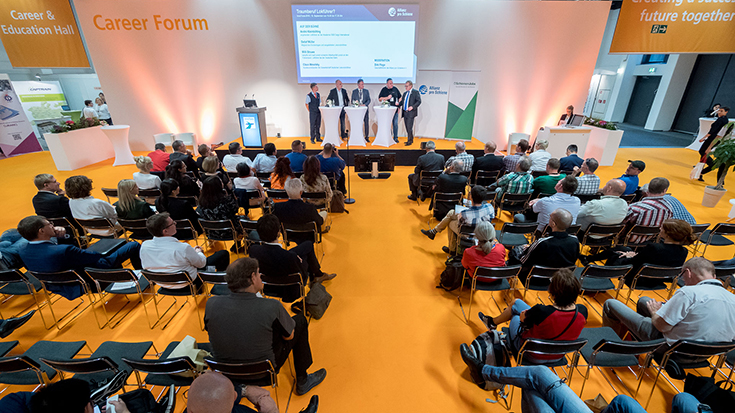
248	124
423	89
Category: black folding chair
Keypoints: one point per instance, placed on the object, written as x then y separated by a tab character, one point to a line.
597	279
165	282
427	181
645	234
100	224
72	228
217	282
137	229
165	372
123	282
654	278
261	373
446	200
249	232
513	203
485	178
28	369
288	288
186	231
539	279
275	194
319	198
513	234
62	279
223	230
698	230
14	282
110	193
491	279
601	236
717	236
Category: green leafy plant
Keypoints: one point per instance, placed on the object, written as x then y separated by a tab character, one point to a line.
600	123
80	124
724	154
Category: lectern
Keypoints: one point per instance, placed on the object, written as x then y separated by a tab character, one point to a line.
252	126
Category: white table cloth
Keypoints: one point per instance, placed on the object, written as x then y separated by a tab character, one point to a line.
384	117
118	135
356	116
331	125
704	125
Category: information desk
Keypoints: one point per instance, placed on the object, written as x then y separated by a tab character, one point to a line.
384	117
79	148
331	125
356	116
704	125
559	138
118	136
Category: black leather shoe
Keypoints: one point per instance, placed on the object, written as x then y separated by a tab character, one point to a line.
395	140
319	139
12	324
313	405
447	250
408	143
312	141
473	364
312	380
412	197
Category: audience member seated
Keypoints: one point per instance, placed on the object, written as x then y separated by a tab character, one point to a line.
51	200
610	209
216	205
42	254
144	178
518	182
449	182
487	253
700	311
678	209
159	157
213	167
281	173
297	212
182	154
84	206
563	320
296	157
176	170
489	161
467	159
546	184
266	162
652	210
670	252
315	181
129	206
274	260
11	244
331	162
176	207
560	249
204	151
630	177
267	333
478	212
589	183
164	253
539	157
247	181
543	207
572	160
510	162
235	157
430	161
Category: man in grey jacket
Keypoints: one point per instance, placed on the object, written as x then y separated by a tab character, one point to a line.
362	95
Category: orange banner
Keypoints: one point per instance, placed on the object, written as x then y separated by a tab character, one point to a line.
675	26
41	33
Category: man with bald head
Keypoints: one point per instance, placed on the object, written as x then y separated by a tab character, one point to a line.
339	97
489	161
467	159
556	250
610	209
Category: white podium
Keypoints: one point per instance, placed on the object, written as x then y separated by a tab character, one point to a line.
560	137
603	145
78	148
331	125
384	117
704	125
118	135
356	116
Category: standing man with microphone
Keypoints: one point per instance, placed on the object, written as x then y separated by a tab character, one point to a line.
340	99
409	103
392	95
315	116
362	95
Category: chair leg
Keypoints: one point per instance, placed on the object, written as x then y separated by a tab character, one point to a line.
472	294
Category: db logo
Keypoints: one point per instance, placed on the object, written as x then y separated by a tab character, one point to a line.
423	89
392	12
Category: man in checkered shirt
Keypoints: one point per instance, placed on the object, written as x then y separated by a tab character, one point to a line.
652	210
511	161
479	211
589	183
519	182
462	156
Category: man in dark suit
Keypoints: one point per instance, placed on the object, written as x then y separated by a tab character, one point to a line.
274	260
410	102
183	154
430	161
489	161
450	182
340	99
362	95
572	160
43	255
51	200
297	212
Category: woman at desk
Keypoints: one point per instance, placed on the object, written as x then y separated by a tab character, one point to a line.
567	117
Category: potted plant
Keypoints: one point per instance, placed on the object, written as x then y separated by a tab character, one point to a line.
724	154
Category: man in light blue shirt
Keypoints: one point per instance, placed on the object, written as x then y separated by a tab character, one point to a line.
296	157
561	199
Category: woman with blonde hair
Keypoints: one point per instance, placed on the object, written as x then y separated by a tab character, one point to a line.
487	253
144	179
212	167
129	206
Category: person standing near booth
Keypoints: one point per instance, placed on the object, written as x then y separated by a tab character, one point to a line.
315	116
362	95
392	95
340	99
410	102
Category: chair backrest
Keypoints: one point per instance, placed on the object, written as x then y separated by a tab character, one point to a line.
20	363
61	278
83	366
277	193
628	198
587	197
166	138
213	277
110	193
307	228
232	174
485	178
724	274
168	366
149	193
630	348
698	229
598	234
213	229
449	197
515	198
192	200
572	230
315	195
136	227
699	348
70	225
539	271
244	372
489	273
515	228
15	276
427	178
178	278
283	286
664	274
102	224
647	232
185	230
599	271
113	275
536	174
550	347
723	228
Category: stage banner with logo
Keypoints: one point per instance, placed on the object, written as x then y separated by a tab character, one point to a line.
461	105
434	88
40	100
41	33
675	26
16	133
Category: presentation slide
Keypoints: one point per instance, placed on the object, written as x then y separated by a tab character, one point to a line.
349	42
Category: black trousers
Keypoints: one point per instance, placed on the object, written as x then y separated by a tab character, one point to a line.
413	183
299	344
408	121
341	184
709	161
220	260
315	123
342	124
366	122
309	263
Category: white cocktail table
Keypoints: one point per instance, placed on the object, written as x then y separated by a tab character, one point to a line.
384	117
118	135
356	115
331	125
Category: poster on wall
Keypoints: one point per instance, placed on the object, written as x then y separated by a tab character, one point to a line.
462	101
16	135
41	33
40	100
434	88
679	26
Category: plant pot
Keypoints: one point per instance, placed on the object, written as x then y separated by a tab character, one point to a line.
712	196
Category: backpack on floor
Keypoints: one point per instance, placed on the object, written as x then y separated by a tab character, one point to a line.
451	277
490	348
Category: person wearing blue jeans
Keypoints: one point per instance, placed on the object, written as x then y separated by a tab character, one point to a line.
686	403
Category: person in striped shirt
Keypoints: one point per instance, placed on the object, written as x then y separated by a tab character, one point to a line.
518	182
652	210
589	183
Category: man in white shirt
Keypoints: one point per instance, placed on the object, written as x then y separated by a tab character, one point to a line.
235	156
540	157
266	162
88	112
610	209
164	253
562	199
